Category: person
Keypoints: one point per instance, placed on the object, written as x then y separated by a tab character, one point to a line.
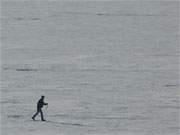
40	105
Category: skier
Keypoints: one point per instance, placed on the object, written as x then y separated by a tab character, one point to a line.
40	104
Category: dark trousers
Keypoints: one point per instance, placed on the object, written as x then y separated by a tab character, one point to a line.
39	111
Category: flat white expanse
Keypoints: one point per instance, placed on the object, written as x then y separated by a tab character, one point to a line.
106	68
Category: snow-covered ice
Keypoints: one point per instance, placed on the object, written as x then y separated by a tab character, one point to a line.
106	68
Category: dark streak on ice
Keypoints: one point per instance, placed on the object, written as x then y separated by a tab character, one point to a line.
21	69
26	19
171	85
93	14
18	18
168	107
65	123
25	69
104	118
128	14
9	102
113	14
14	116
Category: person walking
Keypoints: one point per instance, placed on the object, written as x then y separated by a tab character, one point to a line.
40	105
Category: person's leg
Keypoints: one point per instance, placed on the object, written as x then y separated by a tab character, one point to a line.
42	117
35	114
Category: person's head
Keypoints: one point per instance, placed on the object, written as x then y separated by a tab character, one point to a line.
42	97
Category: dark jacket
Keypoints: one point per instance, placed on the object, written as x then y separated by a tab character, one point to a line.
41	103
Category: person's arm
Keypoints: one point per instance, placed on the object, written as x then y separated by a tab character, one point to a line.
45	103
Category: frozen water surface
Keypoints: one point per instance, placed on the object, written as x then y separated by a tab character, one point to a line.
106	68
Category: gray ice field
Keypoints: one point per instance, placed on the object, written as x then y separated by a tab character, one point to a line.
106	68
